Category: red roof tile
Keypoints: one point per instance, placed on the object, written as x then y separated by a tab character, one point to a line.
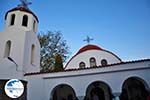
110	65
22	9
89	47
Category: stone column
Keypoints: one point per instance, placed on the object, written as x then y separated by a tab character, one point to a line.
80	97
116	96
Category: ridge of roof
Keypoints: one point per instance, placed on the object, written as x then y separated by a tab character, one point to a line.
21	8
89	47
110	65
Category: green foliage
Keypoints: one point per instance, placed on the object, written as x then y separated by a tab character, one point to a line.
58	66
52	43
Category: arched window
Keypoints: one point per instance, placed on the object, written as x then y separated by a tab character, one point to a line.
103	62
92	62
82	65
7	49
32	54
25	20
12	19
34	25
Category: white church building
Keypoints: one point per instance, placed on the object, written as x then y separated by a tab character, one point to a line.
93	73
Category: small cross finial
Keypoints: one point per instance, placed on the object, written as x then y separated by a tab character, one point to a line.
88	39
24	3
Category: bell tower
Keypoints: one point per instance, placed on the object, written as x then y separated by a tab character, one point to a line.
19	40
21	17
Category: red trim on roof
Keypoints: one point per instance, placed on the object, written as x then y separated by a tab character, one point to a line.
90	47
22	9
83	49
113	55
110	65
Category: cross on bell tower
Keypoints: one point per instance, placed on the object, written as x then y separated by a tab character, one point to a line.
25	3
88	39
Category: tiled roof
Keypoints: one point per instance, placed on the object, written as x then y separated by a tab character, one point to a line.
89	47
110	65
21	9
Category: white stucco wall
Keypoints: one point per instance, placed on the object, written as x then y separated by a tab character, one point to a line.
8	70
17	39
1	55
79	80
97	54
36	88
31	39
22	38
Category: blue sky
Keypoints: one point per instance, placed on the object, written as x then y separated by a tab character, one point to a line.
120	26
